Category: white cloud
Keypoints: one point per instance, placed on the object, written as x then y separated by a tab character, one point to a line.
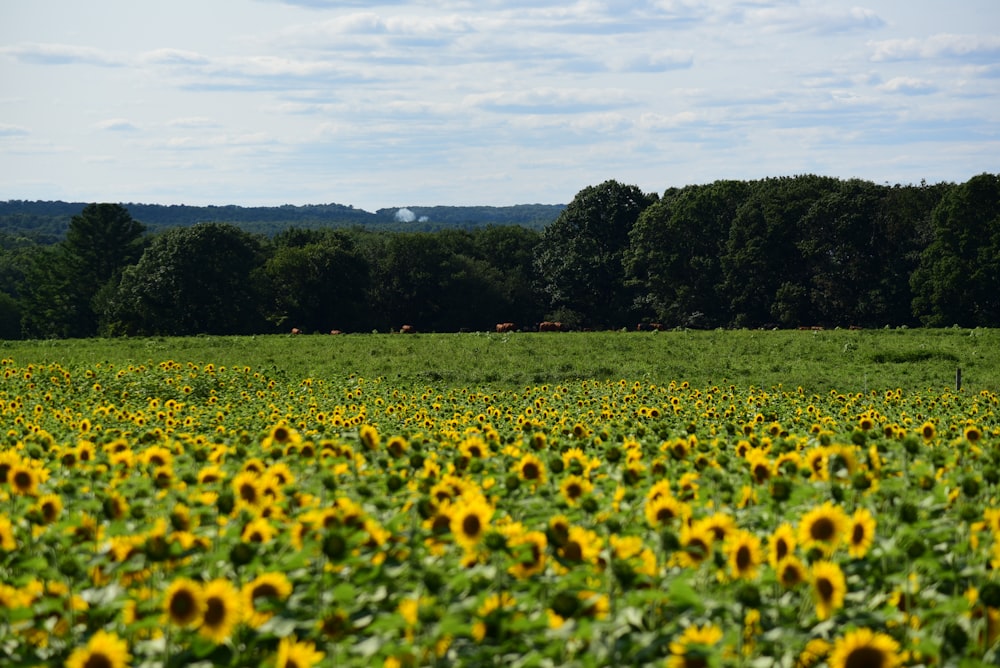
62	54
8	130
117	125
908	86
972	47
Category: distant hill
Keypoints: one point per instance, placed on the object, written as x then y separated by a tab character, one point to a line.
48	221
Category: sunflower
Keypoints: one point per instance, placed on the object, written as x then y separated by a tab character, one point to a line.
928	430
258	530
720	524
861	533
530	469
696	545
294	653
397	446
815	649
829	588
470	520
664	509
781	544
695	647
248	489
8	542
369	436
823	527
528	549
23	479
261	594
745	554
183	604
103	649
581	546
791	572
864	648
222	610
574	488
49	507
760	466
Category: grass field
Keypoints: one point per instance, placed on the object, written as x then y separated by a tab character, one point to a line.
819	361
674	499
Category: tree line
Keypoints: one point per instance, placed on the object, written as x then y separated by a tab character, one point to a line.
778	252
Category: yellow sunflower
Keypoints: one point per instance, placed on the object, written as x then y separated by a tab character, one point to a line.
222	610
183	604
103	649
696	545
261	594
745	554
294	653
258	530
528	549
828	587
581	546
574	488
791	572
469	520
781	544
23	479
695	647
928	431
861	533
530	469
815	649
864	648
664	509
823	527
8	542
49	507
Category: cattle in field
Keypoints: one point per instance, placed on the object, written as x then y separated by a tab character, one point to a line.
504	327
649	327
548	326
408	329
295	331
334	332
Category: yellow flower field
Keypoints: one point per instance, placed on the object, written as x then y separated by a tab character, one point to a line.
177	514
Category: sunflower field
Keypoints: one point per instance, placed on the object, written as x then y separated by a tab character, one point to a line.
177	513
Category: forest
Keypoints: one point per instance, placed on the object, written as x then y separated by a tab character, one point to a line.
783	252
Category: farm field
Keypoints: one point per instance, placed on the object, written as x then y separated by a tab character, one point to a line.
674	499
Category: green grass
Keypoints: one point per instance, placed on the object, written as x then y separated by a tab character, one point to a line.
821	361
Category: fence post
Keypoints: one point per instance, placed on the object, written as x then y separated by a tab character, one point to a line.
958	379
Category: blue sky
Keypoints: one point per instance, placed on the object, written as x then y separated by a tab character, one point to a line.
462	102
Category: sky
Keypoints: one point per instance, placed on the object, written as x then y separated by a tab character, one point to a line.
484	102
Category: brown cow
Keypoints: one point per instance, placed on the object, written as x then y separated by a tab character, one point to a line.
550	326
408	329
504	327
296	330
336	331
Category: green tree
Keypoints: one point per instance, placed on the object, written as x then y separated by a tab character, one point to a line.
956	282
61	285
507	251
192	280
579	259
674	254
765	280
317	281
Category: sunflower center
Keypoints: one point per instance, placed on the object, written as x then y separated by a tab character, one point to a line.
281	434
22	480
781	550
98	660
471	526
573	551
574	491
790	576
858	535
743	558
822	529
865	657
530	471
697	549
248	492
825	589
266	590
182	606
215	612
664	514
